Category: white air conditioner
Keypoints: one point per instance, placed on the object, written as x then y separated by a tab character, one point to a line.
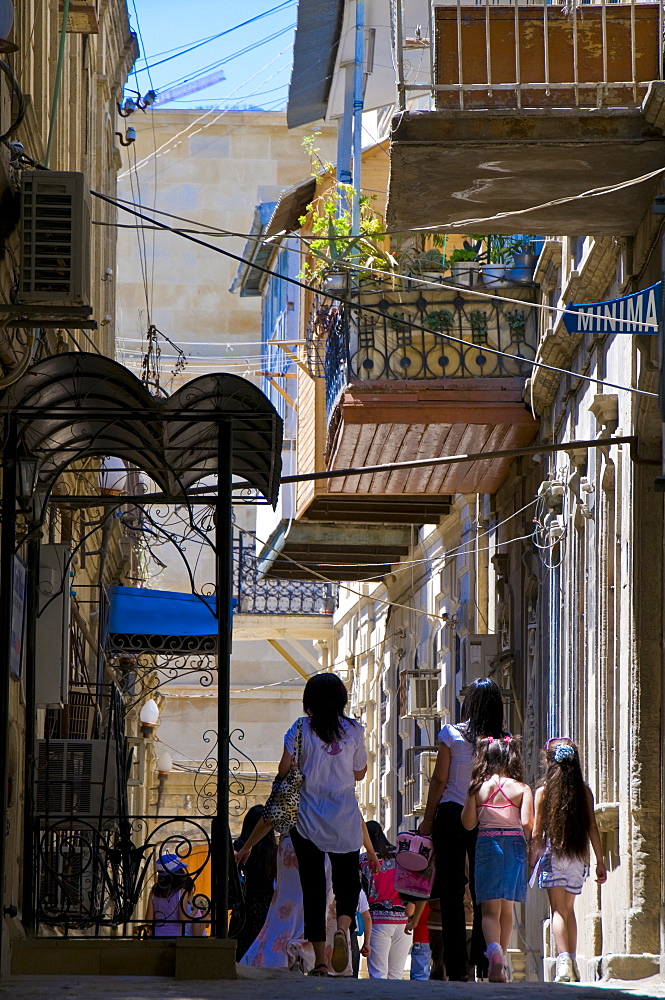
478	652
76	778
55	239
52	626
421	694
426	763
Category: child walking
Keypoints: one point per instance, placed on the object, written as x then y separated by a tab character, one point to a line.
390	942
564	825
501	805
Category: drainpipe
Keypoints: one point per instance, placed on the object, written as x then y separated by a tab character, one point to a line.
58	82
345	128
358	86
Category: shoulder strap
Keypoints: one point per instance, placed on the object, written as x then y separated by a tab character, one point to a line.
297	748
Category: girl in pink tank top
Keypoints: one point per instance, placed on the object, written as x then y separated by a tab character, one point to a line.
501	805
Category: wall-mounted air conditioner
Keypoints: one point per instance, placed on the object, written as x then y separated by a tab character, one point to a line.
426	762
478	653
55	239
421	694
76	778
52	626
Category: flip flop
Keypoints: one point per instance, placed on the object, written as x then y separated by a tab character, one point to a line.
340	955
319	970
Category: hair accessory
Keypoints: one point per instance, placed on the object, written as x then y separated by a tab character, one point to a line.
490	739
507	739
563	752
554	740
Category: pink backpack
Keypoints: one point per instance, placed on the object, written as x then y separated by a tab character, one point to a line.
414	868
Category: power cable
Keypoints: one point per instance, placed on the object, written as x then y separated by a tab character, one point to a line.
221	34
204	70
367	309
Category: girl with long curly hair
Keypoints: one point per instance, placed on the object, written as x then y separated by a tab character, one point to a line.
565	823
500	804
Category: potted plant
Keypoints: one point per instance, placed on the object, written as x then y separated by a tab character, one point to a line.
494	267
464	263
524	260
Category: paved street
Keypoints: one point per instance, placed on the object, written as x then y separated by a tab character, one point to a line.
286	987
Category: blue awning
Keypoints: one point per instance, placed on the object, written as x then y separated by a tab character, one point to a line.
161	620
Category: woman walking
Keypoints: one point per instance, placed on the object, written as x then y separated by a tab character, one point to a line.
500	804
389	944
333	758
565	823
260	871
482	716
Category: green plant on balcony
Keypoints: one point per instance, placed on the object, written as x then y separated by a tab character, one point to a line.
440	320
516	321
479	329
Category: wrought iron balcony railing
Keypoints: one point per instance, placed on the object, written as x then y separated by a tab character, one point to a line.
408	333
261	595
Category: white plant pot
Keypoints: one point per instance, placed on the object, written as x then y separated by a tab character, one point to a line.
465	272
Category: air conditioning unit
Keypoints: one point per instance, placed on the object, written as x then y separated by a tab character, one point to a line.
478	652
426	762
52	626
55	239
76	778
422	688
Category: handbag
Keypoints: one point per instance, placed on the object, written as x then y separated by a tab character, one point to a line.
281	809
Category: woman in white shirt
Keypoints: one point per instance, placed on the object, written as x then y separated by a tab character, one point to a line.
482	716
333	758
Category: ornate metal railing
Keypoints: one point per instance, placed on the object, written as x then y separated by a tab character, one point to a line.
409	333
92	874
258	594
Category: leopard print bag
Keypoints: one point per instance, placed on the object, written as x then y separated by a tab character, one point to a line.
281	809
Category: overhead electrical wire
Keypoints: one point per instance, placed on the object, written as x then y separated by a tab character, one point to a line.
212	38
205	70
160	150
367	309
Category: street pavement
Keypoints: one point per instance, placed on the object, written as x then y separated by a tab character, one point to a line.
287	986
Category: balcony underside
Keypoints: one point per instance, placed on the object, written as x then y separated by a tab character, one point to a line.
449	166
381	423
401	509
308	550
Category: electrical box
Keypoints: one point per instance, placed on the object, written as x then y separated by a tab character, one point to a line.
55	225
478	653
52	626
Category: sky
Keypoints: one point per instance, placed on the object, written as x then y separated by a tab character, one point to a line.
255	58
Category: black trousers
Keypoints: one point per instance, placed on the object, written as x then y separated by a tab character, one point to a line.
454	846
345	883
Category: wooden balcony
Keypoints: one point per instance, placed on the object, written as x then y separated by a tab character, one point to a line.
535	103
410	373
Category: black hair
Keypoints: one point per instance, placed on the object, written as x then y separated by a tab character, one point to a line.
483	710
324	700
168	883
380	842
262	862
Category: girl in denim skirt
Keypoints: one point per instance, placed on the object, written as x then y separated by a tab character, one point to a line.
501	805
565	823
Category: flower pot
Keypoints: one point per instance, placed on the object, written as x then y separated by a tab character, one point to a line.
524	264
493	275
465	272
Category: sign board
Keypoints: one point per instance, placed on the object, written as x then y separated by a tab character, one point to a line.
638	313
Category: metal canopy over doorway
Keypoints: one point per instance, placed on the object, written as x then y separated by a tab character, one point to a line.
67	410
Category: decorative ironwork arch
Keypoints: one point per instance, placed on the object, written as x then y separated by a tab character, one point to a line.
78	406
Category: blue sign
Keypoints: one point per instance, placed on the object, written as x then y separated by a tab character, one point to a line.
638	313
